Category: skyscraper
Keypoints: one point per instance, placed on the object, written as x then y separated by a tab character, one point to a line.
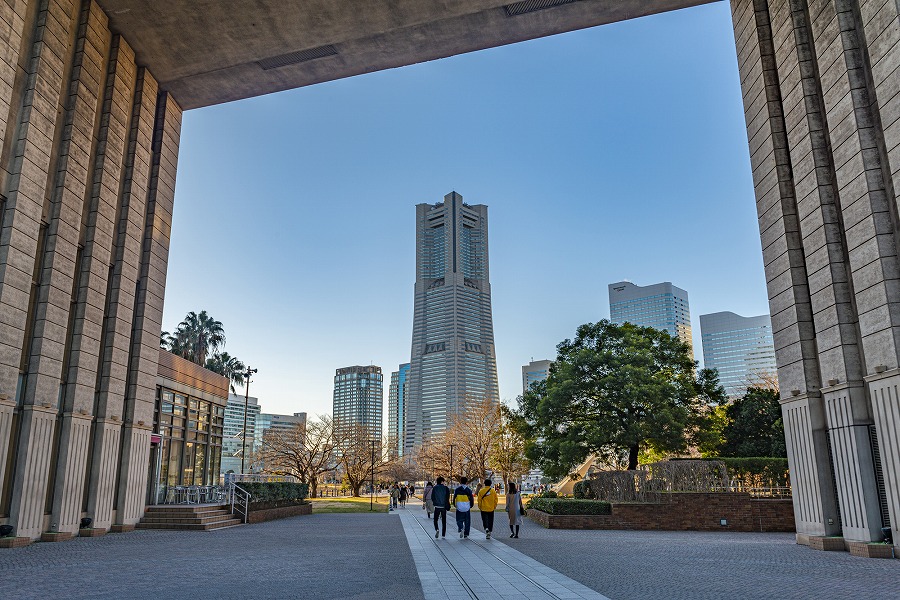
233	438
740	348
661	306
359	398
536	370
398	392
452	354
266	422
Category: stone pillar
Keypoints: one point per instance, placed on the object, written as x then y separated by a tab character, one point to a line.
784	256
143	360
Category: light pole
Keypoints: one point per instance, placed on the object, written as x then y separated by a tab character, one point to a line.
247	375
451	464
372	490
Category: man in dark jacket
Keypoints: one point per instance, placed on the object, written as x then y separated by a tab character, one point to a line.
463	499
440	495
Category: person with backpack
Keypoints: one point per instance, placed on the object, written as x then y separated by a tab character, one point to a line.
487	503
394	495
403	491
440	496
463	499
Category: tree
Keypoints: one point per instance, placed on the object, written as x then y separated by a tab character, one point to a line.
753	425
615	389
197	336
358	458
507	454
304	452
472	434
228	366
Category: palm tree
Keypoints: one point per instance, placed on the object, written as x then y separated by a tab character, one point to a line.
228	366
198	336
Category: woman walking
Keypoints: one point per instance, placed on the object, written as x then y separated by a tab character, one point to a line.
514	508
426	497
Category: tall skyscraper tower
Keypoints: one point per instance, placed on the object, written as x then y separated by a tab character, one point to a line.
740	348
452	355
661	306
398	392
359	398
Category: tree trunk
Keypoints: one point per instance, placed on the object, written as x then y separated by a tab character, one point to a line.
312	487
633	458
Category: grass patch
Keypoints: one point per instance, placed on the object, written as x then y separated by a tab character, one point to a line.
348	504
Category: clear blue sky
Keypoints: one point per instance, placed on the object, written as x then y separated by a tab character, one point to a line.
613	153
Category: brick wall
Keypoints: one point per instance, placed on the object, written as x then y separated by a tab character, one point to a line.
281	512
684	512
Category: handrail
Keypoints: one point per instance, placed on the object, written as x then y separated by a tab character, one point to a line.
240	499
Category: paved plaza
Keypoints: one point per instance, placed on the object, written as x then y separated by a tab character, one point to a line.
394	556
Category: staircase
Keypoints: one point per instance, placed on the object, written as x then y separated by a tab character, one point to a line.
182	516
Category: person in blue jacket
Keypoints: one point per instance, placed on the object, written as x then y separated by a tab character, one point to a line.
440	495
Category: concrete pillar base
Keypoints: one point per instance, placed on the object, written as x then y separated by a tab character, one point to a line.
15	542
57	536
122	528
827	543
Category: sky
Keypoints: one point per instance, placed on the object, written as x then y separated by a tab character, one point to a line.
612	153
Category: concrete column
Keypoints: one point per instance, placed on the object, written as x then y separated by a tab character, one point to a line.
784	256
121	299
13	15
143	361
885	389
26	513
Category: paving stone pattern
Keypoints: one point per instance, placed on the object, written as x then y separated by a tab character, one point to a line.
346	556
666	565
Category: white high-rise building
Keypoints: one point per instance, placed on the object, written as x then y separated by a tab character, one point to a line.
536	370
452	354
398	395
359	398
740	348
661	306
233	436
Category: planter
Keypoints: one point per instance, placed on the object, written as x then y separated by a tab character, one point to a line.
91	532
827	543
57	536
868	550
121	528
15	542
259	515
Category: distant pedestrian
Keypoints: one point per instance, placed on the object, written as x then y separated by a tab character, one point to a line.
426	498
395	496
463	500
440	497
487	503
514	508
403	492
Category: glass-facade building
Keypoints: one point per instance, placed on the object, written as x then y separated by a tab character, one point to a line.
536	370
273	422
233	441
398	392
452	353
661	306
740	348
359	398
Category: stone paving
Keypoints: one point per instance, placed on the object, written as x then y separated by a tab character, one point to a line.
648	565
320	557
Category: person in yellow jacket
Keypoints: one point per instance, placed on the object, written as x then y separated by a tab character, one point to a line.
487	503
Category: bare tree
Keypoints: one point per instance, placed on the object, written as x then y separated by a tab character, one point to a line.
359	455
472	435
507	454
306	453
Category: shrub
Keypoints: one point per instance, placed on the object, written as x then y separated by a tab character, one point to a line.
758	471
570	506
275	491
548	494
583	490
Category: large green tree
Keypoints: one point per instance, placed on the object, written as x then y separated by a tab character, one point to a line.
197	337
616	389
753	425
228	366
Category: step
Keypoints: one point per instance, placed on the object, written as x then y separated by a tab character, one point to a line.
196	520
185	514
191	526
166	508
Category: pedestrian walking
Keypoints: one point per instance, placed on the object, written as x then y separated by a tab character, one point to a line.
395	496
440	497
487	503
514	508
427	502
403	492
463	500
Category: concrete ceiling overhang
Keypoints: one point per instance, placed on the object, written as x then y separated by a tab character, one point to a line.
207	52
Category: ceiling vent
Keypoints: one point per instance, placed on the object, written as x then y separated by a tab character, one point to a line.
292	58
520	8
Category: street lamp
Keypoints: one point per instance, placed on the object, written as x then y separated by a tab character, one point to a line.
451	464
372	489
247	375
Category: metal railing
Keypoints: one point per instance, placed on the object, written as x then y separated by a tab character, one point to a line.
240	500
757	492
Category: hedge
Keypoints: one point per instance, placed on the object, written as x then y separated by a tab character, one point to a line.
758	471
275	491
570	506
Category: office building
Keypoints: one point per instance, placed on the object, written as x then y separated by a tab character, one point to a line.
233	441
398	392
266	422
359	398
740	348
536	370
452	354
661	306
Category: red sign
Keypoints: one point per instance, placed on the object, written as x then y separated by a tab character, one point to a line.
155	438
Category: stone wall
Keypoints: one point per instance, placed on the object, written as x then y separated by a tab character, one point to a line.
684	512
278	512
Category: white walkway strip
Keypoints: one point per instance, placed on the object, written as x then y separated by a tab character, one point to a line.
478	568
